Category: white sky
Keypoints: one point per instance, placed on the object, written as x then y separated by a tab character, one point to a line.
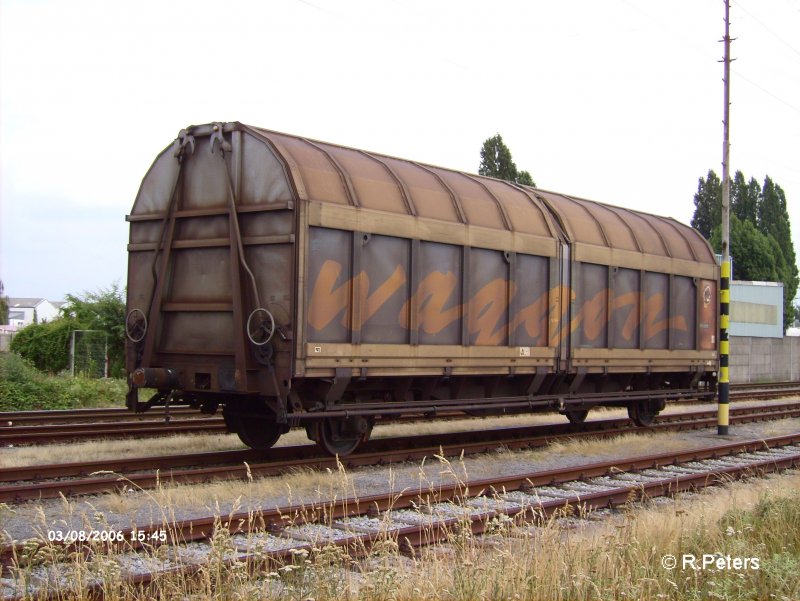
618	101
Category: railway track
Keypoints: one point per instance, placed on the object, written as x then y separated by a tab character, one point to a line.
55	433
272	536
47	427
54	480
765	390
92	415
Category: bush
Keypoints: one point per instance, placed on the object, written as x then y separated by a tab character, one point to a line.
46	345
24	388
103	310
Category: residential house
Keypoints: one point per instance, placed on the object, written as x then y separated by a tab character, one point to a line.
24	311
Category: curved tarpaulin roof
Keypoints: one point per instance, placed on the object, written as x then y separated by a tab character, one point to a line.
329	173
337	174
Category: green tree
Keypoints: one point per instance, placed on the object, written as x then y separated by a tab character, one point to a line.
773	220
752	251
102	310
707	204
3	305
764	208
496	162
526	179
46	345
745	197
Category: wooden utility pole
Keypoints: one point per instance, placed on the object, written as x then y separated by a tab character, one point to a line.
725	276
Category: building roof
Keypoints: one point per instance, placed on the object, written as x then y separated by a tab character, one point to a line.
31	303
24	303
749	283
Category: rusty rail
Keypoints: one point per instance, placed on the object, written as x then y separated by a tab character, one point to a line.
358	542
147	472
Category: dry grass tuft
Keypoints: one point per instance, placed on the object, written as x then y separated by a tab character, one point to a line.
617	557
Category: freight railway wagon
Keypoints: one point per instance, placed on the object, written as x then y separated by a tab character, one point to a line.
296	282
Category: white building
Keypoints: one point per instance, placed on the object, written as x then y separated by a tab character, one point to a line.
756	309
21	311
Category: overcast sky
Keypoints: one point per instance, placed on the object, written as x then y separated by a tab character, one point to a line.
618	101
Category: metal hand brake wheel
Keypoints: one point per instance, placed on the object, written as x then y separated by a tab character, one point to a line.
260	327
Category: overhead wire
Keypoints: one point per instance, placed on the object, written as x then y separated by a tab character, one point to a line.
736	71
767	28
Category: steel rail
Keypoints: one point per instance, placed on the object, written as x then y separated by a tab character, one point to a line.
244	464
358	542
48	434
74	416
303	451
11	422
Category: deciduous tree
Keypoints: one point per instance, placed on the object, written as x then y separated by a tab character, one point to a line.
102	310
752	251
46	345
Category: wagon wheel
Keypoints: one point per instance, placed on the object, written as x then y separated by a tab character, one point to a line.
260	327
135	325
643	412
258	433
341	436
577	416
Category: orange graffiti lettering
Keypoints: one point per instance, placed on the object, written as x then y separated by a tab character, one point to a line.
631	301
543	320
326	302
533	318
486	309
430	298
383	293
652	307
592	315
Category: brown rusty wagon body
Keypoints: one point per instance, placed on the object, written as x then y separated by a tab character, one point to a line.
295	281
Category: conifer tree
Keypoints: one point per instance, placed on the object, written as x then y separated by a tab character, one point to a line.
707	204
745	197
773	220
3	306
760	236
496	162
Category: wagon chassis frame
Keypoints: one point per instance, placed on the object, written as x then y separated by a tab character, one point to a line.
562	403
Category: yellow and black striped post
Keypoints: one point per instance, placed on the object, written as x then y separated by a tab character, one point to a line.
723	391
723	385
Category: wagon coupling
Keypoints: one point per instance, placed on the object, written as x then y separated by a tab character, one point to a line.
151	377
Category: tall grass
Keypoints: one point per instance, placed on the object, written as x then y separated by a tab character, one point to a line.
565	557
